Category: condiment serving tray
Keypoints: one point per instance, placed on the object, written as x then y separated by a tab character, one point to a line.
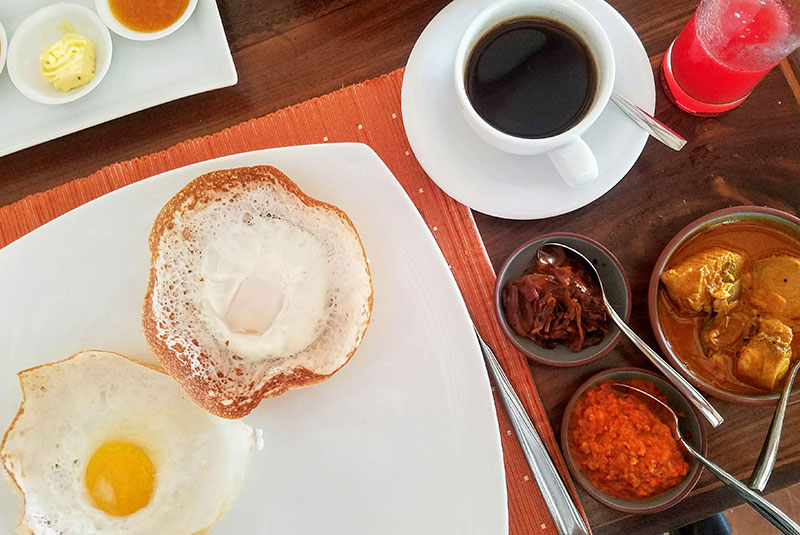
194	59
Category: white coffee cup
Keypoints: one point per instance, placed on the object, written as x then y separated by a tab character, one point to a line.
572	157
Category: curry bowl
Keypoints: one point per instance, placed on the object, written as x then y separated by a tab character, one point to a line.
747	369
615	283
690	425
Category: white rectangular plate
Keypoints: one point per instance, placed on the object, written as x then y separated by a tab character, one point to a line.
403	440
143	74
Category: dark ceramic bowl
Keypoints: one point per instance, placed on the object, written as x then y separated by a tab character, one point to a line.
615	283
691	428
783	221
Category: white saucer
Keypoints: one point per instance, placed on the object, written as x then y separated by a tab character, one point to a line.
501	184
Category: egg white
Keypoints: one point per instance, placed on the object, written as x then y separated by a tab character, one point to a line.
283	272
75	406
307	259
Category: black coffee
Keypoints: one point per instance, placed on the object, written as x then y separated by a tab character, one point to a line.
531	78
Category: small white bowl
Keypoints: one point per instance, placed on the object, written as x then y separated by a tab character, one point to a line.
104	10
3	48
41	29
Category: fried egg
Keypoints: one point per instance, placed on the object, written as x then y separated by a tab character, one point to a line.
104	444
255	288
265	287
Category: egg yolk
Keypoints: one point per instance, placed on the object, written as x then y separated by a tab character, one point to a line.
120	478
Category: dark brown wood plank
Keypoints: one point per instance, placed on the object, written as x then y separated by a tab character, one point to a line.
664	192
287	51
790	68
794	63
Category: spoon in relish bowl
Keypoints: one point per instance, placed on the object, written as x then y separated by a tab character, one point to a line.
665	413
547	255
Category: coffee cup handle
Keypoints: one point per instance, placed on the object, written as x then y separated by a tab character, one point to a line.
575	162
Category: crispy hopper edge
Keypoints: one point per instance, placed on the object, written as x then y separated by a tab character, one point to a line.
198	191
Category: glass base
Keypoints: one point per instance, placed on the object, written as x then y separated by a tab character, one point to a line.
684	100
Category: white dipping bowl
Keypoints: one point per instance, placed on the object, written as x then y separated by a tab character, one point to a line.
41	29
123	31
3	48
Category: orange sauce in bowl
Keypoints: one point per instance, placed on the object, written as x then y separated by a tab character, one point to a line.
148	15
621	446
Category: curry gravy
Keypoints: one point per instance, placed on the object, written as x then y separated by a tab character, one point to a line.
753	240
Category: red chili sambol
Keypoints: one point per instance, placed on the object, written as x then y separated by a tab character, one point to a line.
621	446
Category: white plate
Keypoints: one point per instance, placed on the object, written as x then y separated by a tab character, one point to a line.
501	184
194	59
3	48
403	440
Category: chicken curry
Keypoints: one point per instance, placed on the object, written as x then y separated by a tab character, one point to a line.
729	305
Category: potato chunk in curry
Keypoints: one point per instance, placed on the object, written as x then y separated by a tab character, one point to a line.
765	358
694	284
776	286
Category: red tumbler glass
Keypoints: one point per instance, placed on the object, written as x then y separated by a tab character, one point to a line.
727	47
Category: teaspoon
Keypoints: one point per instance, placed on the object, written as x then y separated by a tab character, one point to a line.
695	397
665	413
648	123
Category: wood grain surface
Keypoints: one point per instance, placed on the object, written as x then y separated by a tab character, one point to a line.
750	156
287	51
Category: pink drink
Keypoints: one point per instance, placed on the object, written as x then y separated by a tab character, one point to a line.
725	50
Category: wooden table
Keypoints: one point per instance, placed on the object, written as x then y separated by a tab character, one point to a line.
289	50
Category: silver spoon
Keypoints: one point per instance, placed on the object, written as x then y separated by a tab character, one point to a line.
674	377
665	413
648	123
766	459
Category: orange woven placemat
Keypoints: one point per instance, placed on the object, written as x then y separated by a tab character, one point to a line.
368	113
